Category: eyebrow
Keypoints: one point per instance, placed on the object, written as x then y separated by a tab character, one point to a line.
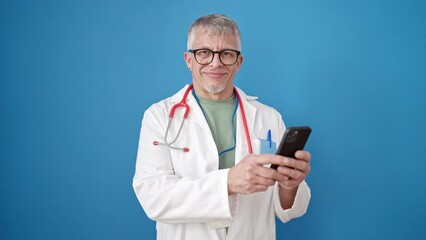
204	47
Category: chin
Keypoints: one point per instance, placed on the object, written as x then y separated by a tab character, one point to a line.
213	88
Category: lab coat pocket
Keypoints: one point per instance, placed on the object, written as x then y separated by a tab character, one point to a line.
267	146
264	142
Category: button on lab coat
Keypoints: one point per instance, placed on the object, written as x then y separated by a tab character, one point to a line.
186	194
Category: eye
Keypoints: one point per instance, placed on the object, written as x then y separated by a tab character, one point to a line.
203	53
228	54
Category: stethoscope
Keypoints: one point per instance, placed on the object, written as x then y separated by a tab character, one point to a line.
183	103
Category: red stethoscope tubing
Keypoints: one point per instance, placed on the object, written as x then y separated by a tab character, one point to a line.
243	117
183	103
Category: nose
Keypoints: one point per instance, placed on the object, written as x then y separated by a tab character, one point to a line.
216	60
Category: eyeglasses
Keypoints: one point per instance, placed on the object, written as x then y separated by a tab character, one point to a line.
205	56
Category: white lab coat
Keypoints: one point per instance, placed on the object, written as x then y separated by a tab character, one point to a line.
193	203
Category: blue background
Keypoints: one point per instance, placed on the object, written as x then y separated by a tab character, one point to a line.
76	77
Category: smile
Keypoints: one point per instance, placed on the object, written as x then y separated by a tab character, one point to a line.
215	74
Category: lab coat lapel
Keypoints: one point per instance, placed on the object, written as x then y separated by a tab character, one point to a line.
242	148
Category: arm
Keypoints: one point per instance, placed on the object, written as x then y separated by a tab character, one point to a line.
295	172
293	192
287	197
299	205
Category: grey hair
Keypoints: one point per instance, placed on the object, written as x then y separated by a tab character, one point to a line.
215	24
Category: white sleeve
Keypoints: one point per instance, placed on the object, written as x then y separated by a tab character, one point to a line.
300	205
166	197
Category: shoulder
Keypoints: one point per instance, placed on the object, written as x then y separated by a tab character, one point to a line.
266	114
163	106
263	107
257	104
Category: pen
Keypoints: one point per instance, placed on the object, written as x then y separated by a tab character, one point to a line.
269	138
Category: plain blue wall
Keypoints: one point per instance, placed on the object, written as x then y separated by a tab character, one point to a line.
76	77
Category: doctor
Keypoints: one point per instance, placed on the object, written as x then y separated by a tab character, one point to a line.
209	179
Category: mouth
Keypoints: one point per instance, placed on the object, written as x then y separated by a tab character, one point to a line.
212	74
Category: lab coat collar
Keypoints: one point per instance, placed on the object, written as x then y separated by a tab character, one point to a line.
177	97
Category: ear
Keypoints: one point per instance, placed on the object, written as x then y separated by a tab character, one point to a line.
240	61
187	56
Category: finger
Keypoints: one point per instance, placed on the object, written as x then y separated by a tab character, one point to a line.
292	173
296	164
268	159
270	173
260	180
258	186
303	155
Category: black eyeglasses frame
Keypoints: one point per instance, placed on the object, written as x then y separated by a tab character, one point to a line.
194	51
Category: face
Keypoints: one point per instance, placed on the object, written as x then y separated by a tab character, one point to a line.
215	80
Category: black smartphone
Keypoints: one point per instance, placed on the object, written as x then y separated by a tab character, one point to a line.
294	139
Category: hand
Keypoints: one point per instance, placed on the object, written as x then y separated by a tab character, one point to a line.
295	170
250	176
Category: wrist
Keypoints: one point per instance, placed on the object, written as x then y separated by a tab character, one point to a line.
287	196
229	183
287	189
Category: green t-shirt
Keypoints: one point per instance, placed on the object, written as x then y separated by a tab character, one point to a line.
221	120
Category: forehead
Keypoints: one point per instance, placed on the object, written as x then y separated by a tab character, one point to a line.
203	38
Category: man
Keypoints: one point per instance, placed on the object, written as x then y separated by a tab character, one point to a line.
206	177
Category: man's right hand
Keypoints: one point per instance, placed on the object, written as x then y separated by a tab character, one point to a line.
250	176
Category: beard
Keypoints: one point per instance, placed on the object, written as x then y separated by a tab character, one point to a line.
217	86
211	88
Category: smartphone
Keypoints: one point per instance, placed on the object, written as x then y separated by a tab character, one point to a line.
294	139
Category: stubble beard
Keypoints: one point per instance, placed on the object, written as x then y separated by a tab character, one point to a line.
213	88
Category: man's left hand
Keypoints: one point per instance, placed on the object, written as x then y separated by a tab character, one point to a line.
295	170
